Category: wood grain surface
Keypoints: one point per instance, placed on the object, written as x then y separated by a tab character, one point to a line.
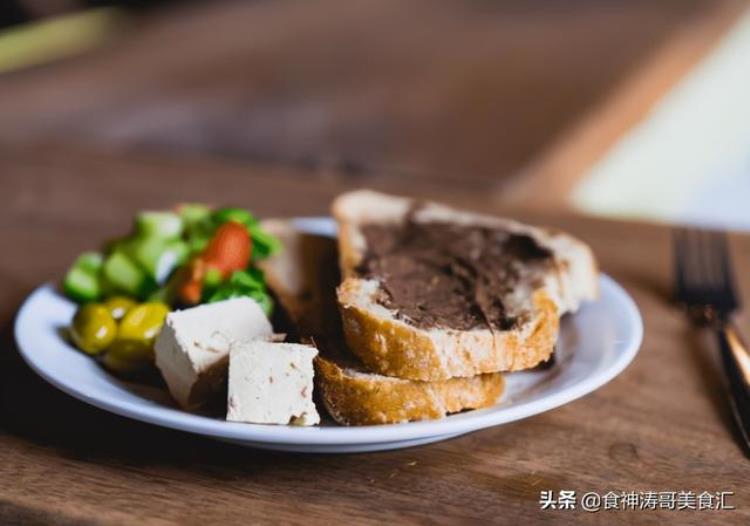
279	106
466	93
662	425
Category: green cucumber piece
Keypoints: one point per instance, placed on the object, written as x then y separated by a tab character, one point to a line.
124	275
90	262
175	254
165	225
82	286
180	249
157	256
193	214
146	252
82	282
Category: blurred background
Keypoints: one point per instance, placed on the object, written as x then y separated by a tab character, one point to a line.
628	108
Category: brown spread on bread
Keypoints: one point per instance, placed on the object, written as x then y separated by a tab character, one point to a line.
448	275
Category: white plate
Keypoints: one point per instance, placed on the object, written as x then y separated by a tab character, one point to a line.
595	345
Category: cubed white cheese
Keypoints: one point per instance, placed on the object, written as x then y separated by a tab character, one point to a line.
271	383
192	349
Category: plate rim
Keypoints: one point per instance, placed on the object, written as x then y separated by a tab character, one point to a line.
336	435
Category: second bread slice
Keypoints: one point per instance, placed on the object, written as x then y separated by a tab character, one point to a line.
303	277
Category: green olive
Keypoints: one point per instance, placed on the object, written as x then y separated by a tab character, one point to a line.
93	328
119	306
115	363
137	332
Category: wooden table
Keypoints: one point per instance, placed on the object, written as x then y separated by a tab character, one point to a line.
165	114
662	425
511	99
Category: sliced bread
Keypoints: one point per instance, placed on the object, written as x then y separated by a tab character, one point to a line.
303	277
432	293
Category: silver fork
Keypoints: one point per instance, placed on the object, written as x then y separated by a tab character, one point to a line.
704	284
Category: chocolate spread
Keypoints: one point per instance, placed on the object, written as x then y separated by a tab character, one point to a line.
449	276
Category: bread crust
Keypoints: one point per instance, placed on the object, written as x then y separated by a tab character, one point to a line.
300	278
392	347
366	399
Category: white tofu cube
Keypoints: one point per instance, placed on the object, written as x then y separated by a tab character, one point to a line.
192	349
271	383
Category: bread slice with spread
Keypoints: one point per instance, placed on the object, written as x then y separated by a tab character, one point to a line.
432	293
303	276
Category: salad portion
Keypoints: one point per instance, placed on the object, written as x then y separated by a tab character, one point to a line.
172	259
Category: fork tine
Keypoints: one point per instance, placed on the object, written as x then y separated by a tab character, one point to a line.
686	265
724	269
705	253
703	277
696	264
678	261
705	285
695	274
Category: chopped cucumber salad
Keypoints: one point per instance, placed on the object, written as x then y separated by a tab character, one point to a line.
193	254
